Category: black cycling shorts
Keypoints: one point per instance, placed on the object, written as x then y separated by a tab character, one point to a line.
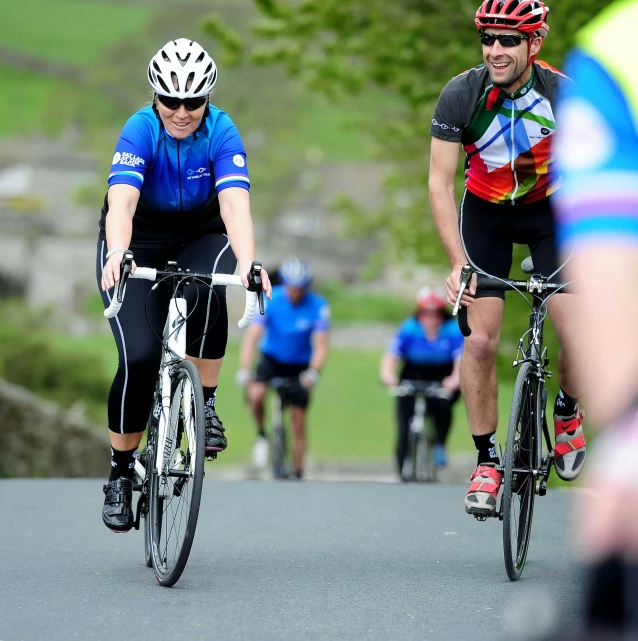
139	349
489	231
269	368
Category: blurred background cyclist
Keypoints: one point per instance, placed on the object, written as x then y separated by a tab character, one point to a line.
293	338
428	346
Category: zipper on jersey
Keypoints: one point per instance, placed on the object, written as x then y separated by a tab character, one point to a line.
513	202
179	177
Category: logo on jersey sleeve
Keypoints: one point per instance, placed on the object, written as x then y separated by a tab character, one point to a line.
125	158
585	139
238	160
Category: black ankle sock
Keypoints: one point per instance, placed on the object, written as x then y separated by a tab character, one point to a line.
261	431
209	395
485	448
122	463
565	405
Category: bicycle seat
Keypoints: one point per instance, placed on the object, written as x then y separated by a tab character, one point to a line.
527	265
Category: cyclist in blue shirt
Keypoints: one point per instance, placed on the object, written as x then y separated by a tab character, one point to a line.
178	190
293	339
428	346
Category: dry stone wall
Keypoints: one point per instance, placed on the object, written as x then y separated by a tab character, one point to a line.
38	438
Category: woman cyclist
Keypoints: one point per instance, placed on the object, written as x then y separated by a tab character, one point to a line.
428	345
178	190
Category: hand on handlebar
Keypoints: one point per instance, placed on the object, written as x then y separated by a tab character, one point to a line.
244	376
453	286
390	380
111	271
308	378
451	383
248	278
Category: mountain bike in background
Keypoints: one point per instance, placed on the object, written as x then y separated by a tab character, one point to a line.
529	453
170	471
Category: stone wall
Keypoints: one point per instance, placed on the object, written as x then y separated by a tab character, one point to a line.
38	438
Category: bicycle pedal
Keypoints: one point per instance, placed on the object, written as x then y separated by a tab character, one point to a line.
480	518
210	457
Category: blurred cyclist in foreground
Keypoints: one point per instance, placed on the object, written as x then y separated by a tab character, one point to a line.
597	211
294	343
428	346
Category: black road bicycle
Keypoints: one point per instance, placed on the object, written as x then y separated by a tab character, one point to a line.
281	464
529	456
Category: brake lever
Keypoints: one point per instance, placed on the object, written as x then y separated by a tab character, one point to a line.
255	284
125	269
466	276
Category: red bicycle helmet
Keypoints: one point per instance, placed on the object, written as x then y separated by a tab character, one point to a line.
429	298
528	16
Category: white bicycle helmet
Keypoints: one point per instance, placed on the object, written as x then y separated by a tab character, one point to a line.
295	272
182	69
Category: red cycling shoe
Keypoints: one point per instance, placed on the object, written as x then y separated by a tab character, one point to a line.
571	448
480	499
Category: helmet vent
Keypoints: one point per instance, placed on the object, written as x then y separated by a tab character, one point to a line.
201	56
165	56
184	60
201	85
175	80
164	86
157	67
210	66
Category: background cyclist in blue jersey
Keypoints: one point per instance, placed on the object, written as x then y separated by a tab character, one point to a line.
293	339
178	190
428	346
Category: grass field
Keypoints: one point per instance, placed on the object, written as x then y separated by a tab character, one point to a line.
74	32
351	416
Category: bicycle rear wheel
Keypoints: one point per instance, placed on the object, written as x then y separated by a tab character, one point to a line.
521	461
175	490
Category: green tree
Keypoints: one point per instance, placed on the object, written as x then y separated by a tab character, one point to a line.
408	49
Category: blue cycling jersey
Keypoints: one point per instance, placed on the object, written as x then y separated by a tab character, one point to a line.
289	327
179	180
598	154
411	344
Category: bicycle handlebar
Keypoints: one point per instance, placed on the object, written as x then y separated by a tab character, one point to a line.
535	285
148	273
429	388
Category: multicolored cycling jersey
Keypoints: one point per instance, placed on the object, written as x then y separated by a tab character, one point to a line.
507	137
598	146
411	343
289	328
179	180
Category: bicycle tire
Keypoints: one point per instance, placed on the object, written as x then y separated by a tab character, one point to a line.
279	452
151	438
519	482
421	458
167	495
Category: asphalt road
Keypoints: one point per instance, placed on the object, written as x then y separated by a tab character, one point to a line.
312	560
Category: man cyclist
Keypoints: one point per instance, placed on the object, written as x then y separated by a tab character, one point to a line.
502	112
428	346
597	211
178	190
293	338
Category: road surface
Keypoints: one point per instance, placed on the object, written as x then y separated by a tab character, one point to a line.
279	561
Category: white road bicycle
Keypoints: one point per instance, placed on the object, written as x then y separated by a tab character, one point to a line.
170	472
418	464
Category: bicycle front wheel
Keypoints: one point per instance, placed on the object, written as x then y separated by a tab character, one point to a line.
521	464
175	490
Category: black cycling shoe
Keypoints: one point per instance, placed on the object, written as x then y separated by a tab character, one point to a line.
215	439
117	512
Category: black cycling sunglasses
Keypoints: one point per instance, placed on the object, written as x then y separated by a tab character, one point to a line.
191	104
505	39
